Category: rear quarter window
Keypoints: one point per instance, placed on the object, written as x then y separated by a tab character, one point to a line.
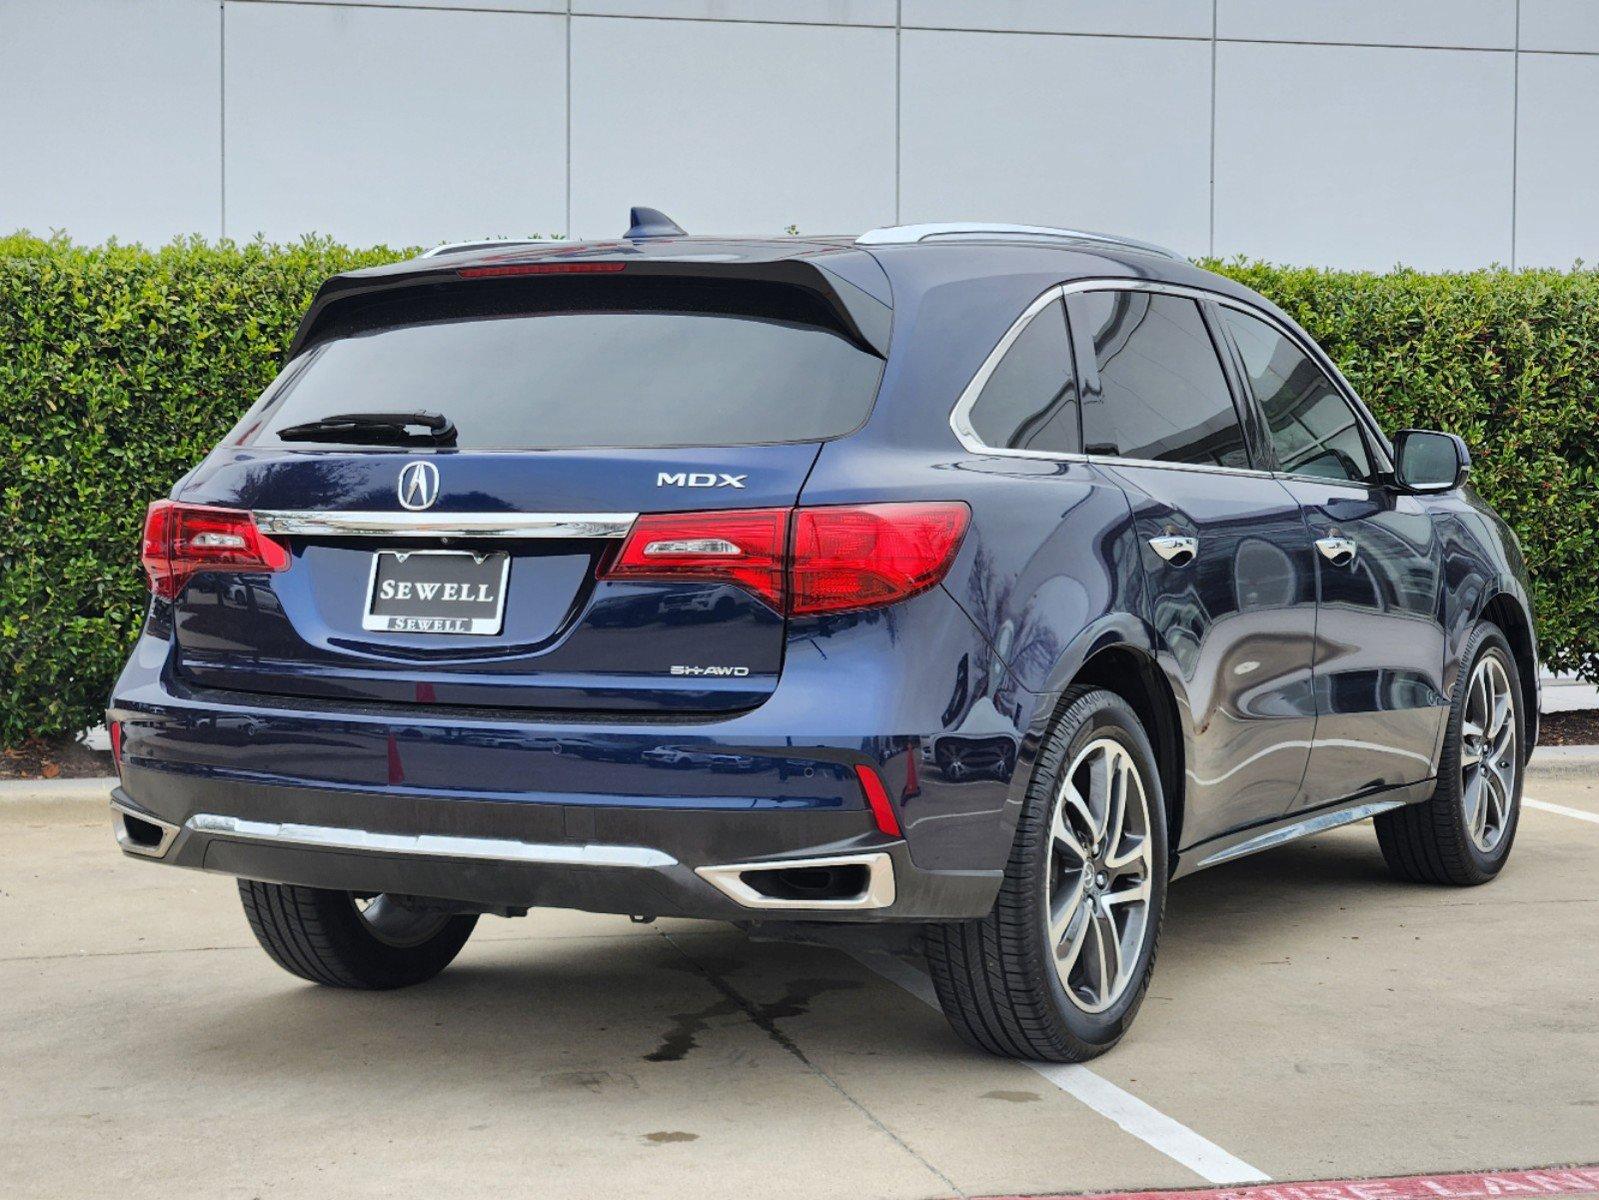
1029	402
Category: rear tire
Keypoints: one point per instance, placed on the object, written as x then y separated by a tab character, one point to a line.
1059	968
328	938
1463	834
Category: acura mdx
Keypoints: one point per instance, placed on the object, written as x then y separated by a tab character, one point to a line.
958	586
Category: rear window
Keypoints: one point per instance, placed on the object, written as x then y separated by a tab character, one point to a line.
632	364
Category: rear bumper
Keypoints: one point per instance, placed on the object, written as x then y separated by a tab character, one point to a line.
637	814
497	855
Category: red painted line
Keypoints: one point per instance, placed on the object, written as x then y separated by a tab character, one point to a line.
1483	1185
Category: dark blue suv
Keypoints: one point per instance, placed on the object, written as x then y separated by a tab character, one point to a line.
952	585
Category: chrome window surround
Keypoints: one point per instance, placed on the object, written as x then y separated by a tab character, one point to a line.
960	415
878	892
432	845
909	235
424	524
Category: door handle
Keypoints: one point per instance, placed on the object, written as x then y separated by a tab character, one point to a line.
1179	551
1340	551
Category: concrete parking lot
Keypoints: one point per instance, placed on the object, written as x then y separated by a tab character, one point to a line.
1309	1019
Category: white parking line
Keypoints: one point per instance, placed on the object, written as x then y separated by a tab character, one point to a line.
1149	1125
1591	818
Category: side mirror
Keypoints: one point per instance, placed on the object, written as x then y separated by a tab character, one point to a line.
1429	461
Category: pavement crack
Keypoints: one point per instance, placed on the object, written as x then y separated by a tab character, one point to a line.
765	1018
82	954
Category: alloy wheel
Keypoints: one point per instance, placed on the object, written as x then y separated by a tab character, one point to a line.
1489	756
1100	867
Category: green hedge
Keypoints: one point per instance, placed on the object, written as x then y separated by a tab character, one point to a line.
120	367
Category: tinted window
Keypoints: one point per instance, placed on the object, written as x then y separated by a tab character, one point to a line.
1162	392
1313	429
607	364
1030	400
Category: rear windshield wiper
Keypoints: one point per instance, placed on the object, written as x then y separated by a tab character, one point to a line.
375	428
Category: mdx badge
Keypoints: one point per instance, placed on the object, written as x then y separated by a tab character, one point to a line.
699	479
419	485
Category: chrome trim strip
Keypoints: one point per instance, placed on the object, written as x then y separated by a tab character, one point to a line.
1319	823
119	826
430	524
878	892
907	235
1107	460
330	837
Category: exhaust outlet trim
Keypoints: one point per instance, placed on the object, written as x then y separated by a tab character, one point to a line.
121	812
728	879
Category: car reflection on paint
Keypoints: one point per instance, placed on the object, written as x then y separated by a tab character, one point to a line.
963	758
982	746
733	763
673	756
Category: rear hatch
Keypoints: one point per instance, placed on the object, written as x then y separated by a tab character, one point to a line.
480	567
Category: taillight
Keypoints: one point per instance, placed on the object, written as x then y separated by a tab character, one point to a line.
871	554
114	728
743	547
804	560
181	539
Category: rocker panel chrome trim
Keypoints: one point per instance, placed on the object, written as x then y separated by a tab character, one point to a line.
1316	824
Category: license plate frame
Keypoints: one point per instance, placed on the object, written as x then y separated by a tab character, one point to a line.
472	617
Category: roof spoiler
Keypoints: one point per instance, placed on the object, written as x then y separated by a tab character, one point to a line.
861	316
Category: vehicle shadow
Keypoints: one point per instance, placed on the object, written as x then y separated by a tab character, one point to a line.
543	1014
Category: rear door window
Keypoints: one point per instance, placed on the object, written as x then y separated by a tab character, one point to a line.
589	364
1312	427
1162	394
1030	400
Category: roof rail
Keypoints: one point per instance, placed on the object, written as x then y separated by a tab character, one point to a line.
481	244
905	235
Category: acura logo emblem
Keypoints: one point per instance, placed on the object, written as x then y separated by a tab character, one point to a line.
419	485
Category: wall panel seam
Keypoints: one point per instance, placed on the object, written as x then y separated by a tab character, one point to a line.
222	118
1515	137
1214	6
900	26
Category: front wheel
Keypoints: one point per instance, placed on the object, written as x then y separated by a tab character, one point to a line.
1463	834
340	939
1058	969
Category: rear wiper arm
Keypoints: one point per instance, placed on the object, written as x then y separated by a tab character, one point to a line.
412	428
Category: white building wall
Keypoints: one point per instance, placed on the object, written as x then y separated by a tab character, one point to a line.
1354	133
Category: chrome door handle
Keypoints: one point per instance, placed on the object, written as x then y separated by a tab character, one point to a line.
1340	551
1179	551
